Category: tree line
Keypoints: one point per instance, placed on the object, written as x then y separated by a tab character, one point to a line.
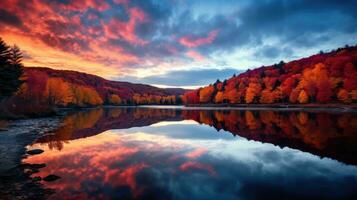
42	88
323	78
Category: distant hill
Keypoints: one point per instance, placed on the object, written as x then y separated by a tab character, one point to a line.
104	87
45	87
322	78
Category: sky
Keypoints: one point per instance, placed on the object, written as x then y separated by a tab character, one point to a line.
173	43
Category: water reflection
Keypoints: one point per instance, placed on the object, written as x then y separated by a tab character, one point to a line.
147	153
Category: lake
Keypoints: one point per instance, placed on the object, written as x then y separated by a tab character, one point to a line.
188	153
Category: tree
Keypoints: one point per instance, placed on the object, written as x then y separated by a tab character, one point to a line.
191	97
58	92
85	96
303	97
350	74
10	69
233	96
294	95
267	96
206	94
354	95
343	96
219	97
287	86
252	92
324	91
115	99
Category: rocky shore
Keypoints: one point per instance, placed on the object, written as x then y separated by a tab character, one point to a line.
15	176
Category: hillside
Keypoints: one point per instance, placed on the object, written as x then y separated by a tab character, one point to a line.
124	90
320	79
46	88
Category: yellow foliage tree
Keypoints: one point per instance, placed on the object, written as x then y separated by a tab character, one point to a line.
303	97
84	96
115	99
58	92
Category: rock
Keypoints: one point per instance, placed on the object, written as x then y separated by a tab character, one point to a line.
35	151
31	171
51	178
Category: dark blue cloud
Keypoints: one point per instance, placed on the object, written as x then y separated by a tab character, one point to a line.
293	25
271	30
186	77
9	18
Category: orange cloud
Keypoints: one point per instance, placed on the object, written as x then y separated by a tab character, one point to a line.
190	42
50	37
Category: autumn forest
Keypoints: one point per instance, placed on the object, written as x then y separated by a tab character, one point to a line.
324	78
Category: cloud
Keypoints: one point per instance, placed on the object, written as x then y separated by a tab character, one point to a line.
198	77
273	52
9	18
195	55
190	41
124	37
116	29
132	163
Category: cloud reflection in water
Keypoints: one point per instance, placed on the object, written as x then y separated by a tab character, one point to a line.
179	160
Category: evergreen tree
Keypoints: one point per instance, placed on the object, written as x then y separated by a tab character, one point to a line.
10	69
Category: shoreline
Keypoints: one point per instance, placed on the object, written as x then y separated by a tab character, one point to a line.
275	107
15	176
278	105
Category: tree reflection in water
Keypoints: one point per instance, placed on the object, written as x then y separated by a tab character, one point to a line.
324	134
149	153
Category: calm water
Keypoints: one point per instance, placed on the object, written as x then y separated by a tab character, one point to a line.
150	153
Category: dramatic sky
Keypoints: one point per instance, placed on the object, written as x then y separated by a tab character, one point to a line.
173	42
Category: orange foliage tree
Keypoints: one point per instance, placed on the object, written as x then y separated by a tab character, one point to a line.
303	97
206	94
252	92
219	97
267	96
343	96
323	78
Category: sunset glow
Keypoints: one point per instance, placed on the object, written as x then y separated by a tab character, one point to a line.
148	41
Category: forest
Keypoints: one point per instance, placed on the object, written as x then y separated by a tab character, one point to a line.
36	90
320	79
70	89
325	78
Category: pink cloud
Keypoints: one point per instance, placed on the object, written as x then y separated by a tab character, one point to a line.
121	1
195	55
196	153
83	5
189	41
116	29
191	165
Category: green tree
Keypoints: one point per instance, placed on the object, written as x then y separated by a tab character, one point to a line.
10	69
